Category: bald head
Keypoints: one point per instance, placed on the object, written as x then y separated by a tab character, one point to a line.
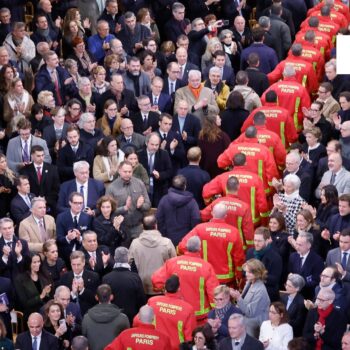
219	211
35	324
146	314
335	162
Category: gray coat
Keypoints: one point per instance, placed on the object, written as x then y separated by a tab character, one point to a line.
255	306
144	84
342	182
103	323
335	256
280	34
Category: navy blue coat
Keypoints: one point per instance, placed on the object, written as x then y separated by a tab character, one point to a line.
228	75
164	102
96	190
19	208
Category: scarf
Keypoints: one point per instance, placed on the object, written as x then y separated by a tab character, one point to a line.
259	254
290	197
323	314
220	313
195	91
45	33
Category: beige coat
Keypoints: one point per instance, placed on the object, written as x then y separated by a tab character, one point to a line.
29	230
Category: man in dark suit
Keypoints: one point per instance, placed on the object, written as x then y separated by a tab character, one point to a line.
160	101
171	142
145	121
257	80
238	336
36	338
7	298
129	137
97	258
13	250
187	125
54	78
43	178
21	202
158	165
71	224
177	24
126	285
74	151
172	81
91	189
184	65
306	263
82	283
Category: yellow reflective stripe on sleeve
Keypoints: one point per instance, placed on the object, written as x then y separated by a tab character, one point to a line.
229	259
205	250
304	80
240	230
252	203
282	133
260	169
295	115
180	331
201	297
250	242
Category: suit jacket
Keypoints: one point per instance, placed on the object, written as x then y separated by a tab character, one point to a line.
192	126
186	94
296	312
250	343
48	341
49	136
137	141
152	121
166	88
12	267
96	190
48	186
162	164
228	75
66	157
189	66
14	152
19	208
164	102
64	224
7	287
91	282
335	256
99	267
311	270
29	231
342	182
257	80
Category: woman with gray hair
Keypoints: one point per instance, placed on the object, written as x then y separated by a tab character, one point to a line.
289	202
294	303
86	96
72	68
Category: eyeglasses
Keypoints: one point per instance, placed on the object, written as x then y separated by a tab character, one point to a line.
322	300
218	299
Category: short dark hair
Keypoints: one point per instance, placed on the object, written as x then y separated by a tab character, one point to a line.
80	343
346	95
258	34
345	198
239	159
36	148
271	96
241	77
235	100
259	118
104	293
253	59
345	232
179	182
18	180
232	184
172	284
149	222
219	53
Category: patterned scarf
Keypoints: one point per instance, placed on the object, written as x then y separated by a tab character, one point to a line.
220	313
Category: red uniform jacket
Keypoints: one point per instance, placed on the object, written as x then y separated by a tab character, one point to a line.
305	73
221	247
143	337
238	215
278	120
313	55
336	17
197	280
174	317
293	97
259	159
326	25
322	41
272	141
338	6
251	191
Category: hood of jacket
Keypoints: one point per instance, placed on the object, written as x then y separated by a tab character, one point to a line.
179	198
151	238
104	313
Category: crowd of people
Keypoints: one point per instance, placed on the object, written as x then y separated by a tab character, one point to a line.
174	175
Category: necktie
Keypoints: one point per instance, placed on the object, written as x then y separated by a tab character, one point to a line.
333	178
236	343
172	88
27	200
93	255
181	72
82	192
57	88
9	244
145	121
39	173
43	232
74	148
25	155
164	136
75	221
155	101
128	140
151	163
344	260
35	344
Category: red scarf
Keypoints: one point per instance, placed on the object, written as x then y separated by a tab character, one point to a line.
323	314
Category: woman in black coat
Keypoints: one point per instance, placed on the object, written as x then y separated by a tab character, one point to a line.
107	225
7	187
33	288
233	117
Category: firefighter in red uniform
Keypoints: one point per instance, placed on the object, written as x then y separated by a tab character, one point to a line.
337	6
173	316
268	138
197	278
251	189
322	40
335	16
221	246
259	158
312	54
278	120
142	337
291	95
305	72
